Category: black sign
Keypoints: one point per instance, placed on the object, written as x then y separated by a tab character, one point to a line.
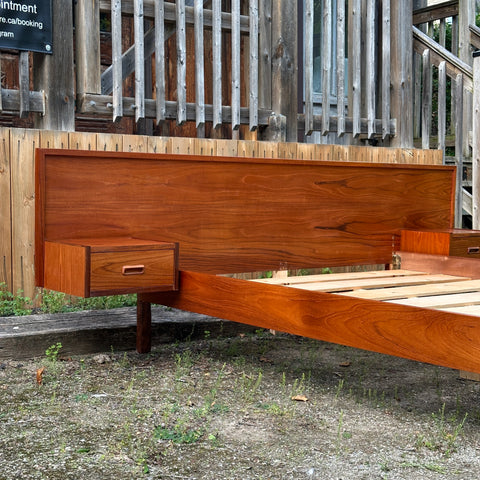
26	25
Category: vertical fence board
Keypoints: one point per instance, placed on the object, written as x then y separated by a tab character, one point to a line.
54	139
476	142
253	74
160	60
385	68
87	46
442	106
181	62
135	143
217	62
157	144
5	210
199	69
267	150
356	66
139	60
308	69
108	142
23	144
265	54
426	100
235	36
459	127
181	145
82	141
341	67
326	64
116	26
24	83
371	66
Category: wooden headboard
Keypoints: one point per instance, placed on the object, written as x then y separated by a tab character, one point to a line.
239	214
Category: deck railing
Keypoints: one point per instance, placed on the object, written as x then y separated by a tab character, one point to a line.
354	81
192	27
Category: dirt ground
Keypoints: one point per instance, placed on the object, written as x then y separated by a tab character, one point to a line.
250	407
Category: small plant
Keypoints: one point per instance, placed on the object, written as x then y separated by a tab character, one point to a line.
11	304
250	385
53	351
177	435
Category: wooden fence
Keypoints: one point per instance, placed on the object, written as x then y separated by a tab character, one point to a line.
17	190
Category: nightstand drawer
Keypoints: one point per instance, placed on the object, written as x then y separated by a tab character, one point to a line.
455	242
93	267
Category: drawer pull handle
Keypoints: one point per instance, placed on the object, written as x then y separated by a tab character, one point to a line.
133	269
473	249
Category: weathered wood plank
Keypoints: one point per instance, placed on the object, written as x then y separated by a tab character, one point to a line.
24	83
340	67
116	73
22	151
54	74
442	106
139	60
265	54
476	142
87	46
217	63
181	63
308	67
253	101
459	135
102	105
148	5
371	67
199	66
5	210
426	100
326	65
160	60
438	54
356	66
386	64
235	64
103	330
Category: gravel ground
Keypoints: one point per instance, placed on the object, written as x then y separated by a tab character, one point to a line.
250	407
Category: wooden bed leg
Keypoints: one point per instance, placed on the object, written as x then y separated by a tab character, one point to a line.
144	326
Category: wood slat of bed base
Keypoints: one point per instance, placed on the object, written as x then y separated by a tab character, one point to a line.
441	292
382	282
394	293
331	277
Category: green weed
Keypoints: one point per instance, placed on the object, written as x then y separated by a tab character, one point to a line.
53	351
11	304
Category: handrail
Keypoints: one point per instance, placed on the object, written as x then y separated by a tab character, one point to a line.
474	36
439	54
435	12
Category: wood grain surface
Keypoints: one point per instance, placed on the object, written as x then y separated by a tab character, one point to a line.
234	215
437	337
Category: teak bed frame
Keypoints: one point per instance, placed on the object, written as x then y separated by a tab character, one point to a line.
167	227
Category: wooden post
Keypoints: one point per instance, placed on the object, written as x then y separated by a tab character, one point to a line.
401	57
466	16
285	64
144	326
87	46
54	74
476	141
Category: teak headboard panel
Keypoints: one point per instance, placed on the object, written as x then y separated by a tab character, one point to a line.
239	214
